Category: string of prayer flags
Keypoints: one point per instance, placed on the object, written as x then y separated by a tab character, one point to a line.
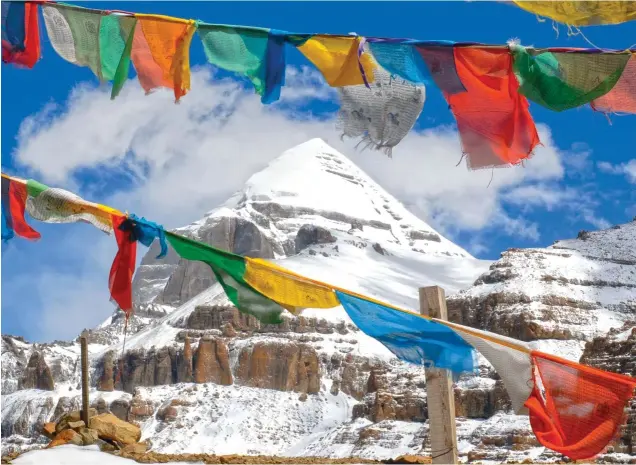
582	12
339	59
622	97
123	267
229	270
575	409
411	337
14	196
384	114
20	33
161	52
146	232
564	80
495	126
256	53
54	205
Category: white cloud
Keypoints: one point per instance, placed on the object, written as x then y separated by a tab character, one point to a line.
183	160
627	169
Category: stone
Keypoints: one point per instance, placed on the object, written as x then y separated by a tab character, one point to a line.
108	426
168	413
119	408
212	362
140	410
408	459
75	425
137	448
68	436
49	430
309	234
89	436
72	417
37	374
228	330
101	406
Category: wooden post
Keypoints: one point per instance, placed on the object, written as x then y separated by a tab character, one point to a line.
84	363
439	388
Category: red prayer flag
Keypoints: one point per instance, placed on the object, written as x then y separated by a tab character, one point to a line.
493	120
22	44
123	268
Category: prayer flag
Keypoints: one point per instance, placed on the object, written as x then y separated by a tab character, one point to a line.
14	196
582	13
564	80
411	337
256	53
123	267
161	52
339	59
20	33
495	126
622	97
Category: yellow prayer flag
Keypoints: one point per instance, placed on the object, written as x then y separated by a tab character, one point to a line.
582	13
285	287
337	59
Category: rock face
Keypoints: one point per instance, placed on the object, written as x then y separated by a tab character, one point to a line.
310	235
284	367
37	374
211	362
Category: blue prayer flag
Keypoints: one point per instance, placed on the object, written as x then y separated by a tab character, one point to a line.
410	337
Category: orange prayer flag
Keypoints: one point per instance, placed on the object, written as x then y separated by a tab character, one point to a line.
576	409
493	120
161	52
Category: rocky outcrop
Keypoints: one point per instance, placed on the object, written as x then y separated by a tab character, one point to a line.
280	366
212	362
14	361
234	234
108	426
309	234
37	374
145	368
184	364
107	367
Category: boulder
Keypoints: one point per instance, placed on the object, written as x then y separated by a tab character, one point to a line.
68	436
48	430
108	426
89	436
75	425
309	234
137	448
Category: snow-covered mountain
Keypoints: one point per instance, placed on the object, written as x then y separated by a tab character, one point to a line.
198	376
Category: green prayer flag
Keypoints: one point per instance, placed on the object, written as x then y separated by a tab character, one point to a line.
238	49
229	270
564	80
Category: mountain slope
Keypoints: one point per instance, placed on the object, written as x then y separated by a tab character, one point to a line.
199	376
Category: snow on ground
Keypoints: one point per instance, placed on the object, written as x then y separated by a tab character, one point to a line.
74	455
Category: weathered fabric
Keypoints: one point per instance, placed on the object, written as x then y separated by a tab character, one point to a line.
229	270
146	232
14	196
622	97
339	60
582	12
564	80
161	53
411	337
20	33
440	61
383	114
53	205
576	410
401	60
494	123
123	267
514	366
256	53
287	288
91	38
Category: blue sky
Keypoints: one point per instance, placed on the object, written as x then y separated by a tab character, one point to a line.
143	153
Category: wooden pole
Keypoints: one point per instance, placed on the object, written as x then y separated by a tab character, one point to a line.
84	363
439	388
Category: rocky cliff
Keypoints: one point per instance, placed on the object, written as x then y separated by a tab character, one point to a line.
199	376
